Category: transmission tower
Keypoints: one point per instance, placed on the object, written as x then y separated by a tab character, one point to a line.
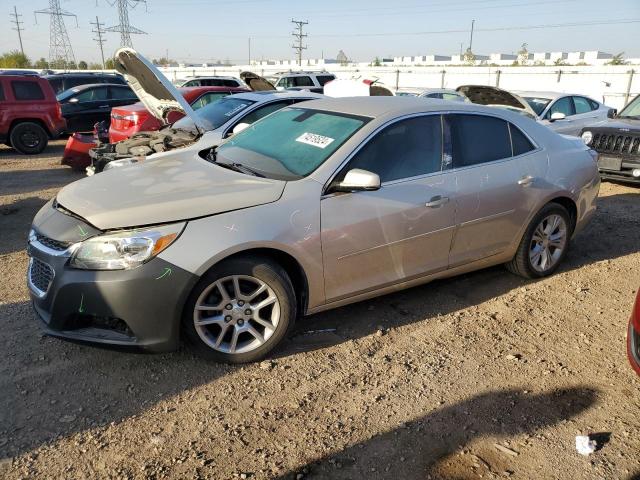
98	38
124	28
300	37
60	51
18	25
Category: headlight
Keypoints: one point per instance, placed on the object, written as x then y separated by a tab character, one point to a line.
587	136
121	163
126	249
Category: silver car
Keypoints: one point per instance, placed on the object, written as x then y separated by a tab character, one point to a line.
566	113
315	206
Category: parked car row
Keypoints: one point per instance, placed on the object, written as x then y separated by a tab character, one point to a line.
324	201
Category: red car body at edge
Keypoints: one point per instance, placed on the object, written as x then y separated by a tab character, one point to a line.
130	119
633	335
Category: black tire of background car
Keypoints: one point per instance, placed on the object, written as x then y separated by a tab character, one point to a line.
18	140
520	264
263	269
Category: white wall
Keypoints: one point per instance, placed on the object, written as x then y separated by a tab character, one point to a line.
588	80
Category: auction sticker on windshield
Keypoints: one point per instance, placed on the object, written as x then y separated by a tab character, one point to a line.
314	139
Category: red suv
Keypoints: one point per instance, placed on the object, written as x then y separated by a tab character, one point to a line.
29	113
130	119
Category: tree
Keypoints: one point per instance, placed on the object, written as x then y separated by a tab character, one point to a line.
469	57
109	64
523	55
162	61
377	62
14	59
95	66
617	60
82	65
42	64
559	62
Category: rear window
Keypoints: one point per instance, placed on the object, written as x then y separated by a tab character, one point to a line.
23	90
469	139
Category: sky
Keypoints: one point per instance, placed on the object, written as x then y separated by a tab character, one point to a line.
197	31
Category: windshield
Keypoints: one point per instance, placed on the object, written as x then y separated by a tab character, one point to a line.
538	104
632	110
291	143
215	114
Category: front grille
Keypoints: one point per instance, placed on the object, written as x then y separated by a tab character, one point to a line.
40	275
51	243
614	143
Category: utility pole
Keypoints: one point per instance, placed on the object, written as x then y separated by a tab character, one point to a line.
60	51
471	38
18	23
249	51
300	37
99	31
124	27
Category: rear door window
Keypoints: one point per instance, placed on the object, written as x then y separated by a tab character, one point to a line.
408	148
477	139
123	93
582	105
520	143
93	94
322	79
302	82
24	90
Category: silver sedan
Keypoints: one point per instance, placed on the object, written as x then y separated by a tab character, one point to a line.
315	206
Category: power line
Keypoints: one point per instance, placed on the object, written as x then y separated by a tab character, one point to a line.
60	51
299	36
124	27
98	39
17	22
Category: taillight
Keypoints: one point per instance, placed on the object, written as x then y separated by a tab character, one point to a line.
126	121
58	110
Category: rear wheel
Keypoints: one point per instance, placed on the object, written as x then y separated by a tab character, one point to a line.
28	138
544	244
240	310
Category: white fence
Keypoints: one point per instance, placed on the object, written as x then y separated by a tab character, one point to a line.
614	85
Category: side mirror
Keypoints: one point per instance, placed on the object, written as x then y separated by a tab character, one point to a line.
357	180
557	116
612	113
240	127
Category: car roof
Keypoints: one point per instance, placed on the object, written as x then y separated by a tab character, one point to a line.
86	86
215	77
82	74
395	106
264	95
211	89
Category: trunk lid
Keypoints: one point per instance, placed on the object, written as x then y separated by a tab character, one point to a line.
155	91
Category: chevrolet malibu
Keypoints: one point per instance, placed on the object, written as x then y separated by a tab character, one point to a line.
315	206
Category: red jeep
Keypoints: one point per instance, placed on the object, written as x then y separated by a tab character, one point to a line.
29	113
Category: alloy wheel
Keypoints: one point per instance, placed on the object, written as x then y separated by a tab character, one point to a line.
236	314
548	241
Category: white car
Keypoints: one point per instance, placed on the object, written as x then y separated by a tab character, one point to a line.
564	112
439	93
311	81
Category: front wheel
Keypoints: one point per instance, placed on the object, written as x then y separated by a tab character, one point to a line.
240	310
544	244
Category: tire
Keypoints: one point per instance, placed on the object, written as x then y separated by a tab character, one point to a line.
28	138
212	327
542	235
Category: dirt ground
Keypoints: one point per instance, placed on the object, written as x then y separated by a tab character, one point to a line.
480	376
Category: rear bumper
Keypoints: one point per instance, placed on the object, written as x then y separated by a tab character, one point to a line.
141	307
76	151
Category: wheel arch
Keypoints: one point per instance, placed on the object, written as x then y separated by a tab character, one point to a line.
570	205
38	121
288	262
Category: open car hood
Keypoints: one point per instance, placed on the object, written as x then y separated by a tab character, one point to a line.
152	87
256	82
494	96
356	88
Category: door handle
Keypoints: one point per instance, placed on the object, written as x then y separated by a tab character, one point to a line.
437	201
526	181
103	106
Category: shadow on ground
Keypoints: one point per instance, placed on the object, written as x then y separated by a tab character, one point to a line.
422	447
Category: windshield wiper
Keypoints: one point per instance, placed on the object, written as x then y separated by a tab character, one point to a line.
238	167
